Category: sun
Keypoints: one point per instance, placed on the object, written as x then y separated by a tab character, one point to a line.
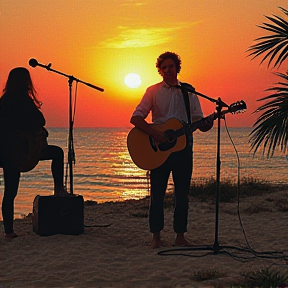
133	80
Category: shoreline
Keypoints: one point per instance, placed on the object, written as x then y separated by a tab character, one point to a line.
203	182
119	255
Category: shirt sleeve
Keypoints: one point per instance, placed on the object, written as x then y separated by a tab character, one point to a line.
145	105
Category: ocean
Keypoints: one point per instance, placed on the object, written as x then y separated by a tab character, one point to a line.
104	171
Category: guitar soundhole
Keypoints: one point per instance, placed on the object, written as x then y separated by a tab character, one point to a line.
170	135
164	146
171	140
152	143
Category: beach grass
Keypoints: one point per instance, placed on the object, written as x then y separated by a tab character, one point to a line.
266	277
230	190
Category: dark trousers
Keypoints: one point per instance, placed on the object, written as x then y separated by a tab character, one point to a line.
12	178
180	164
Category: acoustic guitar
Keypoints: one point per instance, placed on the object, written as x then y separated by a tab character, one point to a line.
24	148
148	155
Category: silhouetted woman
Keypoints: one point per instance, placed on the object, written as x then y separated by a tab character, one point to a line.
23	141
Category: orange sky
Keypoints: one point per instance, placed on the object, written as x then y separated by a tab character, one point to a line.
101	41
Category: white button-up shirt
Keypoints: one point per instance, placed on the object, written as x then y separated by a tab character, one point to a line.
167	102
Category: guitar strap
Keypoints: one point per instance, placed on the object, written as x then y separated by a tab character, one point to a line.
187	103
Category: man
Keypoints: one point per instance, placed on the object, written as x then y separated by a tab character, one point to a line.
165	100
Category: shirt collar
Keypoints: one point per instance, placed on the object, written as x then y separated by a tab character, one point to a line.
164	84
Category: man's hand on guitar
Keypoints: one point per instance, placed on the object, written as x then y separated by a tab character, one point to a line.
207	122
158	136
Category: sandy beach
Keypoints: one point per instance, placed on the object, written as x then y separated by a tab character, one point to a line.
119	255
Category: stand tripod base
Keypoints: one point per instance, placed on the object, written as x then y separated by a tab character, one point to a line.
212	250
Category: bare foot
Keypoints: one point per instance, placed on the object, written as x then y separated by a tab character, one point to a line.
156	241
181	241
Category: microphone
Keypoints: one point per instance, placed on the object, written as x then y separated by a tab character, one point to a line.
187	87
33	63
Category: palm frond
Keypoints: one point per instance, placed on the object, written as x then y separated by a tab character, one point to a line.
278	21
283	55
272	45
284	10
271	128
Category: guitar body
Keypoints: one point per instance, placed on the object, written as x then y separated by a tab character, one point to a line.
148	155
23	149
27	149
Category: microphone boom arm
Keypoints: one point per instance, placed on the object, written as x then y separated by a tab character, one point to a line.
190	88
218	102
71	154
34	63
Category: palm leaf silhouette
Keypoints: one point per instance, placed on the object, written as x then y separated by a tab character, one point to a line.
275	44
271	128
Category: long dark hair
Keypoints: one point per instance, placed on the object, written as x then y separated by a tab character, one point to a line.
19	81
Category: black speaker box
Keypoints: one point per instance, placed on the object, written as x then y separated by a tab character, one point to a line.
58	215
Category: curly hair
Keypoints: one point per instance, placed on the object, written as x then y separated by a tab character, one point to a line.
169	55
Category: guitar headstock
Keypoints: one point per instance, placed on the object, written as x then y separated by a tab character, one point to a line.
237	107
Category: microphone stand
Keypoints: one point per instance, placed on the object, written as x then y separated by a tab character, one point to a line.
216	248
219	105
71	79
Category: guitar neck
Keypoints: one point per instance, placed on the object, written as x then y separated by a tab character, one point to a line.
201	123
188	129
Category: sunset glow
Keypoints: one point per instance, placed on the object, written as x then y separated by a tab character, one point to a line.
101	42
